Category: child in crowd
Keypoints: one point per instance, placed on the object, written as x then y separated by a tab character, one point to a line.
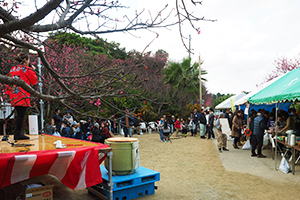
184	128
222	137
65	131
191	123
166	132
160	128
271	122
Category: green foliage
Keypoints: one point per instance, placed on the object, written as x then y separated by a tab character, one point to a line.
189	108
182	76
296	106
96	46
220	98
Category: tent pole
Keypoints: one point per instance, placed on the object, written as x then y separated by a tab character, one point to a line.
276	132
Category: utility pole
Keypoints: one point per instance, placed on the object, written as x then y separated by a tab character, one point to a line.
200	85
190	38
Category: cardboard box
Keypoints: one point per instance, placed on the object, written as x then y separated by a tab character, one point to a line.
39	193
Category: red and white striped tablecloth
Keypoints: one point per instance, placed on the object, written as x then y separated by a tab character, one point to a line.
77	168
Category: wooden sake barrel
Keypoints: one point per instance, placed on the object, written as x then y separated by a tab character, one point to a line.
126	157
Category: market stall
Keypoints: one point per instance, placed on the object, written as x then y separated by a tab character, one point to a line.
285	89
242	102
230	101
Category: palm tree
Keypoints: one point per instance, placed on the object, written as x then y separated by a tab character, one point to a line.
183	76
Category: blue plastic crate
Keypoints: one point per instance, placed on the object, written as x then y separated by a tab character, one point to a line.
138	184
132	192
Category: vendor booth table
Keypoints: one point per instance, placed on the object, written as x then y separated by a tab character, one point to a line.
293	151
76	166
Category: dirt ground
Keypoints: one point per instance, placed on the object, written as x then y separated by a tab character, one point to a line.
191	168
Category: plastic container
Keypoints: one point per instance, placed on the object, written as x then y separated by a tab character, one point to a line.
293	140
126	156
33	124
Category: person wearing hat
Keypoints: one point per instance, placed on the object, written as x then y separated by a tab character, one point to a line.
68	117
89	124
73	129
222	138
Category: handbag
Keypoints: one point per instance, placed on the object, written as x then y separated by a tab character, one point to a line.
236	129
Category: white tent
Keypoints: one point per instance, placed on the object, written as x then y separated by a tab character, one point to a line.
245	98
227	103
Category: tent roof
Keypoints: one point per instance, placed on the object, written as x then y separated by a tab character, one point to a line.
286	88
226	104
244	99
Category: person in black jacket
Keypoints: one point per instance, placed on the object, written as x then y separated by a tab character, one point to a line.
57	119
78	132
251	124
96	133
229	118
211	124
195	121
202	124
260	125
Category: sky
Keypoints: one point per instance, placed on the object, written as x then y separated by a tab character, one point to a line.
237	50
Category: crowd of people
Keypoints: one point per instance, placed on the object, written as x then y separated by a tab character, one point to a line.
66	126
263	120
204	121
181	127
99	130
259	122
93	130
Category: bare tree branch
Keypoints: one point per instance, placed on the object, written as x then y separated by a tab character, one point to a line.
30	20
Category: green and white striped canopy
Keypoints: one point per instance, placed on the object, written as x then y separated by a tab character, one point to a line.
287	88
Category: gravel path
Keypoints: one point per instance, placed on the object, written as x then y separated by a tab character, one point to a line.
191	168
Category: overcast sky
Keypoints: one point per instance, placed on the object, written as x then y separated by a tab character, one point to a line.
238	50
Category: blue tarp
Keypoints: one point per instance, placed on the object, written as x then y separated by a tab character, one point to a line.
268	107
